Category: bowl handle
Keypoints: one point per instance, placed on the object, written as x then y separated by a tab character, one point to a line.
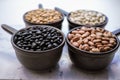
8	29
116	32
62	11
40	6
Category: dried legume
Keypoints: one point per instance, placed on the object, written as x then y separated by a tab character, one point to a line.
43	16
99	41
87	17
38	38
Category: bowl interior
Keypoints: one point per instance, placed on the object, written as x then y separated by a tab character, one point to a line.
29	51
43	23
101	24
92	53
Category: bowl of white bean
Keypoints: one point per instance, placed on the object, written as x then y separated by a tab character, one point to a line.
83	17
92	48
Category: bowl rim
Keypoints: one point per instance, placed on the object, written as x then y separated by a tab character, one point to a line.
103	23
42	23
92	53
38	52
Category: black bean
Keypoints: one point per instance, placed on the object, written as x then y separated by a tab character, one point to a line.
48	38
19	38
47	43
38	38
51	41
52	34
44	35
44	48
41	39
55	44
33	38
27	48
25	42
38	32
42	43
38	42
15	38
38	47
19	45
34	45
25	34
49	35
30	32
54	37
53	30
18	42
49	46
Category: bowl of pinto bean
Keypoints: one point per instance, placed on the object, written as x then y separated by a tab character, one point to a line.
43	16
92	48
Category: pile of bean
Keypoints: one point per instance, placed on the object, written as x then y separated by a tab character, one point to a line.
87	17
92	39
43	16
38	38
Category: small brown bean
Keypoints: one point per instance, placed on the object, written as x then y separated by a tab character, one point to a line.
81	32
80	42
104	38
43	16
71	41
98	34
75	39
106	48
99	45
86	48
85	34
85	45
78	35
95	50
70	36
93	35
75	32
104	42
81	47
85	40
111	40
98	37
75	44
90	43
98	41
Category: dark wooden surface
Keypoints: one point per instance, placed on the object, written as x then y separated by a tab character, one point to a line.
11	12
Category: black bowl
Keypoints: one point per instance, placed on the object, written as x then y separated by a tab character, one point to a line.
36	60
73	24
57	24
90	61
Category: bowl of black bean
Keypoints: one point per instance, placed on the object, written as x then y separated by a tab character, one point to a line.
37	47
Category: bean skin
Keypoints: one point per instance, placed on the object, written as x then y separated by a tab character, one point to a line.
43	16
92	39
38	39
